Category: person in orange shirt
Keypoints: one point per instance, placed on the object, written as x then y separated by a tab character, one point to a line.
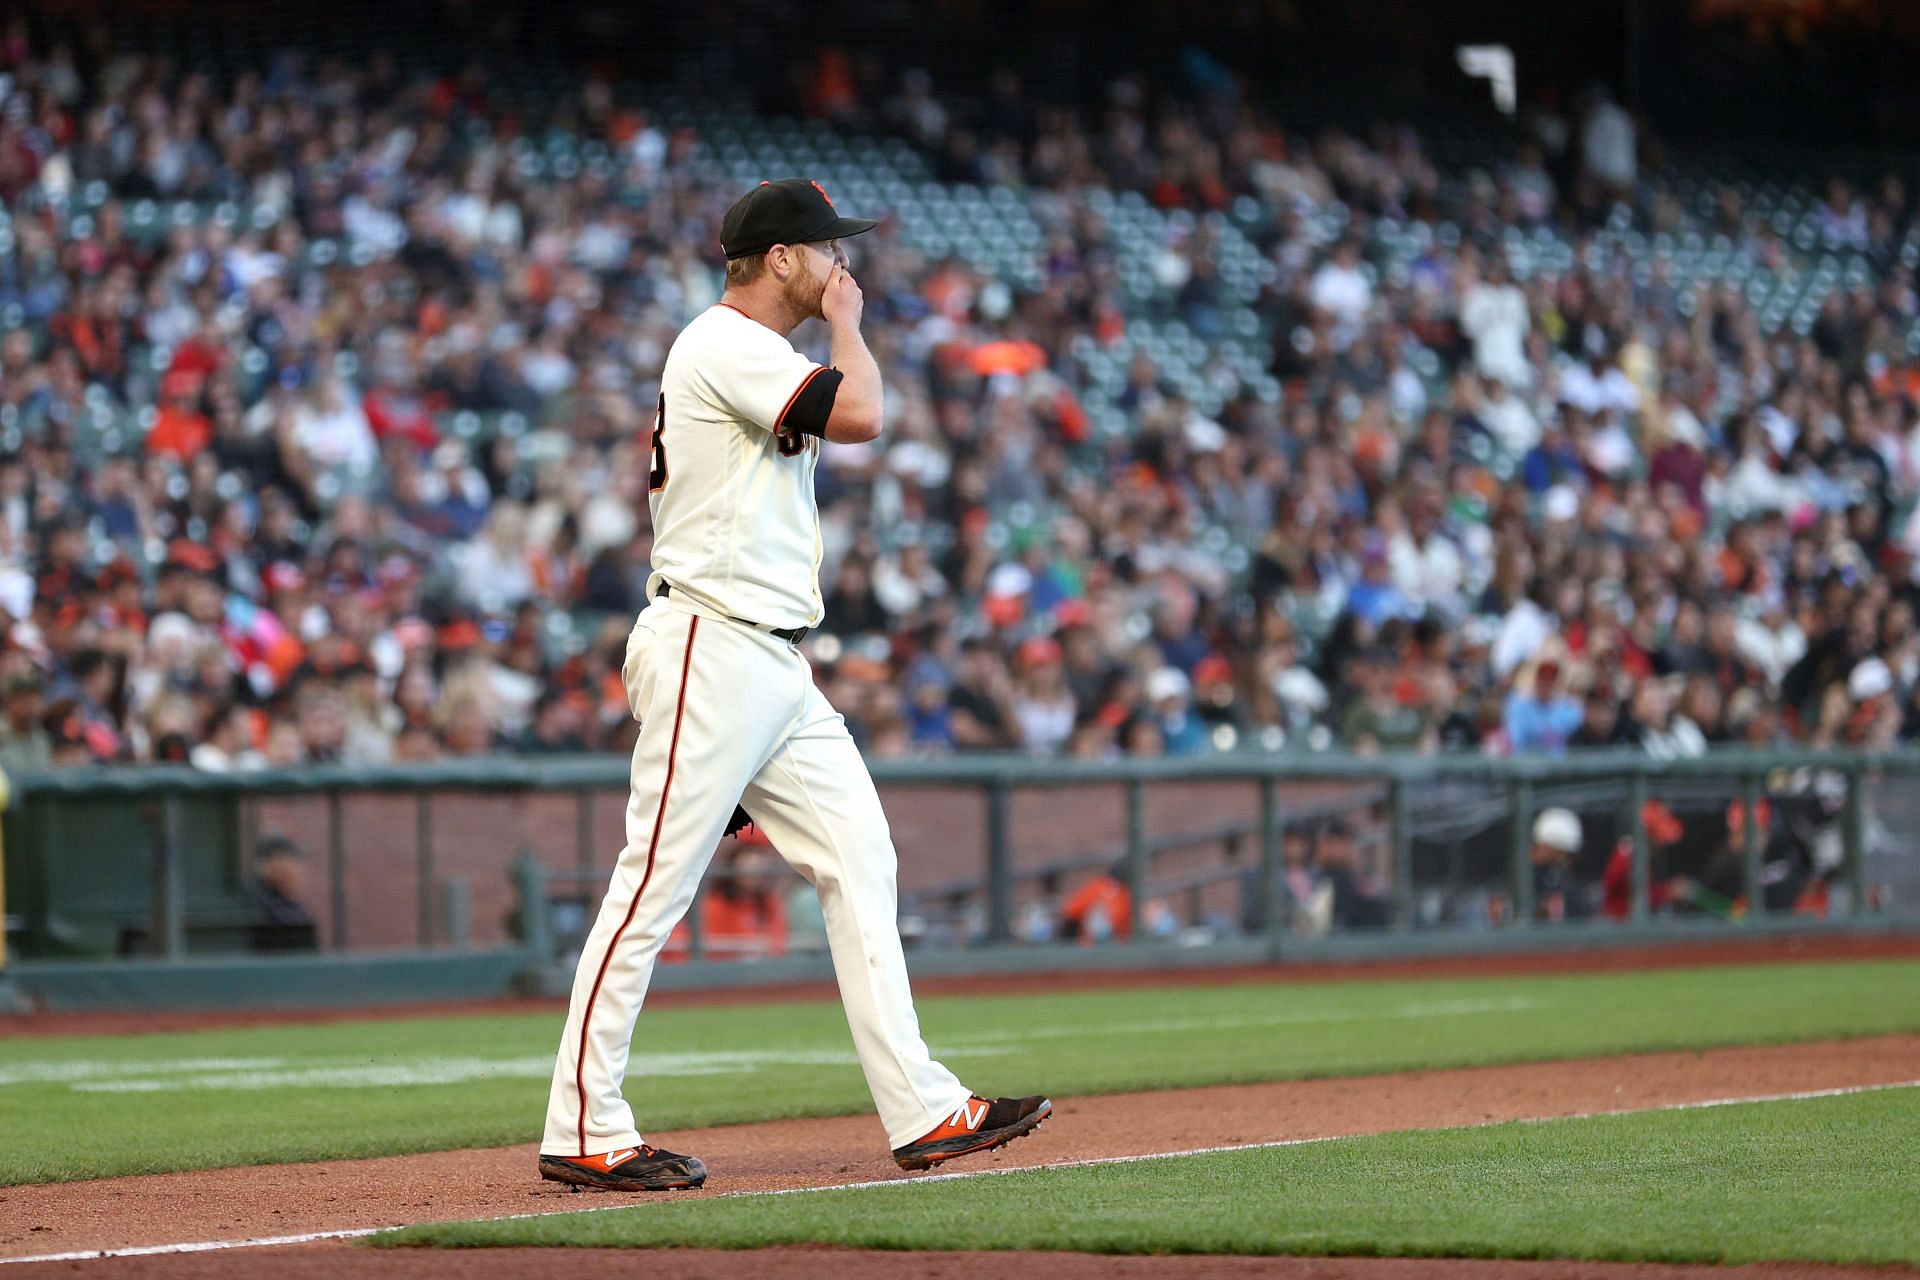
743	915
180	429
1097	910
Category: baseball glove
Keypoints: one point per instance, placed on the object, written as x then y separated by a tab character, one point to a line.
740	821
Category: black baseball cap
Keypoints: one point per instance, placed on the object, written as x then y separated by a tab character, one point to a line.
790	211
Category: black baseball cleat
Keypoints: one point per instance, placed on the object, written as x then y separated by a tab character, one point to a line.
641	1168
976	1125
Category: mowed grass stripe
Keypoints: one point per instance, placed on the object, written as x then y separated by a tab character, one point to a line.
387	1087
1826	1179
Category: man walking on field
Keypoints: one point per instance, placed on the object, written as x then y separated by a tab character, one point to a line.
729	712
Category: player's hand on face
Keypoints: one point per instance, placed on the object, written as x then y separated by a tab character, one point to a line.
841	302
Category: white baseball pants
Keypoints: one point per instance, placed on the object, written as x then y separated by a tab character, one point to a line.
728	713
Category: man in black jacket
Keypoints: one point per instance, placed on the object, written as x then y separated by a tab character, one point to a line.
281	922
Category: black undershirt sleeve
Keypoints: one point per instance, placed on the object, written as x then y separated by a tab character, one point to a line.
813	404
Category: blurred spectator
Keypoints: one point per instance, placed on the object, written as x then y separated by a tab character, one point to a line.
228	745
1378	719
743	912
1099	910
980	704
1493	312
1664	833
1043	708
1544	717
1556	842
1359	901
24	740
281	921
1786	871
1170	697
1661	731
1608	143
558	726
1309	894
1341	289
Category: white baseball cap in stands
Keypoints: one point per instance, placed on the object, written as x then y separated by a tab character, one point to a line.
1869	679
1167	682
1558	829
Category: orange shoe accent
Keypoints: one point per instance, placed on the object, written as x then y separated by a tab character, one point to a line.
606	1161
966	1118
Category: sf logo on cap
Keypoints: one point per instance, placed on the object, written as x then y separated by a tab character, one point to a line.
823	193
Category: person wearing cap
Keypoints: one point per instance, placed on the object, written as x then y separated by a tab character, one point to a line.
1545	716
1557	838
24	740
928	711
1170	700
1043	707
1874	718
734	729
1216	698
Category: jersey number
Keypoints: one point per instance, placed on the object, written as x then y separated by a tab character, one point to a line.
657	478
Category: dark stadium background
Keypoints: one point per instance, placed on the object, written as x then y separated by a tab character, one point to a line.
1817	73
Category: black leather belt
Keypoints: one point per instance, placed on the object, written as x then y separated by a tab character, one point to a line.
792	635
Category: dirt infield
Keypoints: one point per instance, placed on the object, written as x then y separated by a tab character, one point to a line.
1598	959
282	1200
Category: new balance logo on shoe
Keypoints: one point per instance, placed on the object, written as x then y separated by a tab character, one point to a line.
975	1125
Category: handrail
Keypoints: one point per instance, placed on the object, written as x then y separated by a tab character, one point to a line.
164	795
596	772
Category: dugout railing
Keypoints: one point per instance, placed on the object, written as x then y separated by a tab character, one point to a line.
498	860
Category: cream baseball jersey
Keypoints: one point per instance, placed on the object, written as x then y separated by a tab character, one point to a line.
731	488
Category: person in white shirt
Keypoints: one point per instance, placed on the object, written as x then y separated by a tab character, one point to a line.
331	428
1341	289
729	708
1493	312
1523	629
1425	562
1599	386
1609	145
1507	416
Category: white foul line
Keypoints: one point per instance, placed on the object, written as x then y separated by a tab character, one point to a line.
356	1233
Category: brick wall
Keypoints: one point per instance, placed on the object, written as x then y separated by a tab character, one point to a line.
940	833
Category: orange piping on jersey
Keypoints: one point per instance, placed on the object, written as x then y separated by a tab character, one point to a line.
781	421
729	306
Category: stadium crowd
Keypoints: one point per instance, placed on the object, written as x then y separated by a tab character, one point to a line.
1610	512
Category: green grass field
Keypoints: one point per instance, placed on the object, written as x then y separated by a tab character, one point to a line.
1828	1179
205	1099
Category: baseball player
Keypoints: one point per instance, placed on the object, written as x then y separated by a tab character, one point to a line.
729	711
